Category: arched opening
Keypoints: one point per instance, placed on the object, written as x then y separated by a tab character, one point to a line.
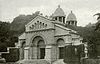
41	48
22	50
60	43
39	43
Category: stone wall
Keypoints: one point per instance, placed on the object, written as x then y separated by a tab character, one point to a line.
90	61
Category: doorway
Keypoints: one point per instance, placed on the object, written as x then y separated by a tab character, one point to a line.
61	52
38	48
42	53
41	49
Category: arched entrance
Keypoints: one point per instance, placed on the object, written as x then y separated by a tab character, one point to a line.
22	50
60	43
39	43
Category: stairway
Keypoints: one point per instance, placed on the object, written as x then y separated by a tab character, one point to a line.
60	61
35	61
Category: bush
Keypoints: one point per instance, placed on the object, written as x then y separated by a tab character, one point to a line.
13	56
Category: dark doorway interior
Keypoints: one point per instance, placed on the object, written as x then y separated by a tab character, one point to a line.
42	53
61	52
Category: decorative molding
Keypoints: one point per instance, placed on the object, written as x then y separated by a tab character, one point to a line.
62	35
38	25
40	30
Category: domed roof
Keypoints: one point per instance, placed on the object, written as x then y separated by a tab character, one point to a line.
58	12
71	17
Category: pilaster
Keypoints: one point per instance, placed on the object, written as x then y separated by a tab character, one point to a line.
62	20
21	53
57	18
26	53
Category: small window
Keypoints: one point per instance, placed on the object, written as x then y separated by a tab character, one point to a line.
40	22
32	26
45	25
56	18
37	24
60	19
37	21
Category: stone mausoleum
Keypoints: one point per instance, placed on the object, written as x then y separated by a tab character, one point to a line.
44	38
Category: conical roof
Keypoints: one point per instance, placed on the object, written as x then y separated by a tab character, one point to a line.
59	12
71	17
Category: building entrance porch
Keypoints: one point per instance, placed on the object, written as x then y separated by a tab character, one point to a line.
38	48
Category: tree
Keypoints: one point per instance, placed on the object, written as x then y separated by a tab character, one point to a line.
98	23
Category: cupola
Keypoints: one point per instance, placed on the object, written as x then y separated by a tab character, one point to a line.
71	19
59	15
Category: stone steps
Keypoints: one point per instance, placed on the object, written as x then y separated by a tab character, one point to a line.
39	61
60	61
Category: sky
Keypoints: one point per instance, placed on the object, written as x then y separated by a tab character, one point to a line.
83	9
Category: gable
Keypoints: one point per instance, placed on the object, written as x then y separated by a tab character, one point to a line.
61	30
39	23
22	36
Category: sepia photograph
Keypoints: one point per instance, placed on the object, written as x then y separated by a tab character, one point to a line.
49	31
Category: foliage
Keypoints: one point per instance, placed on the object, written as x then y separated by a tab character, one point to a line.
91	36
13	56
18	24
4	35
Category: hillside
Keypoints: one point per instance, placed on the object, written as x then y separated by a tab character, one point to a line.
18	24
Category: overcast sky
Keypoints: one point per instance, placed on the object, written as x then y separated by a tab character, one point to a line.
83	9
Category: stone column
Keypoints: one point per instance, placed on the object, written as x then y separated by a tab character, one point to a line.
57	18
21	53
57	52
62	20
74	23
30	52
34	52
71	23
48	53
54	52
26	53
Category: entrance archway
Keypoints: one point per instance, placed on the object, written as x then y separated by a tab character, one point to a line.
22	50
60	43
41	48
39	43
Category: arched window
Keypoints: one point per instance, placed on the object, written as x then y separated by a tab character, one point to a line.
45	25
61	49
32	26
60	42
22	50
39	42
23	44
60	19
55	18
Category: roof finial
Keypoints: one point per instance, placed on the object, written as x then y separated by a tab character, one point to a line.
58	6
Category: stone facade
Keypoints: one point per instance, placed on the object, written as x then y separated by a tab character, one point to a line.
45	39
